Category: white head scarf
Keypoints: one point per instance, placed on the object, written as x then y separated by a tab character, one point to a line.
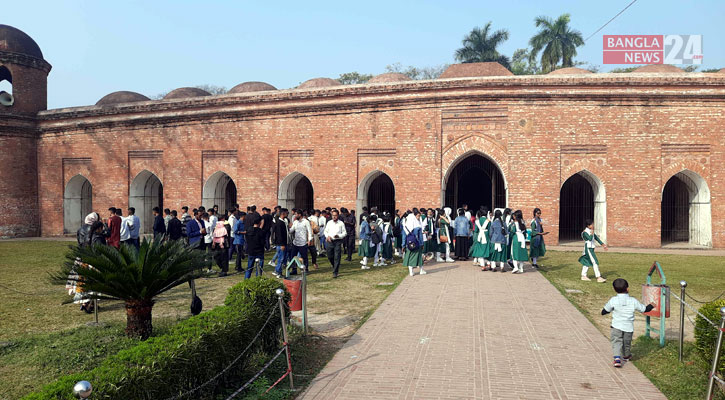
411	222
91	218
447	211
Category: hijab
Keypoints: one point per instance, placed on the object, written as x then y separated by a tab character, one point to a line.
91	218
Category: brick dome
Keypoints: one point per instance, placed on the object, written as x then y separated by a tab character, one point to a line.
121	97
658	69
471	70
318	83
16	41
570	71
390	77
253	86
185	92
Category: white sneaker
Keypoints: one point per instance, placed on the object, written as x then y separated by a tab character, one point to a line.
601	280
363	266
515	270
450	260
585	278
410	269
422	271
271	264
439	259
521	271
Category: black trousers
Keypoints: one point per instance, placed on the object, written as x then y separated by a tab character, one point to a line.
239	249
221	256
312	250
350	248
334	254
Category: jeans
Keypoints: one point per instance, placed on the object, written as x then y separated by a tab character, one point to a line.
135	242
621	343
334	254
239	249
281	256
258	269
302	251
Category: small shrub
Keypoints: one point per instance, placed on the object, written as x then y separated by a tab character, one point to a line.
191	353
706	334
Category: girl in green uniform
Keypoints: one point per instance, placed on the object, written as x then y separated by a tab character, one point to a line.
387	245
498	242
537	248
445	231
588	257
518	244
429	231
412	226
398	243
481	249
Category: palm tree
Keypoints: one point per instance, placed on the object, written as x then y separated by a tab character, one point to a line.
478	46
558	41
135	277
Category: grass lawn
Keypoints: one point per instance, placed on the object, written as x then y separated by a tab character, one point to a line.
42	339
705	279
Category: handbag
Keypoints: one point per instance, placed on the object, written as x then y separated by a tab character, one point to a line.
443	239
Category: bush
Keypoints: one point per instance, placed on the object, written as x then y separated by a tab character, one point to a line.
706	334
191	353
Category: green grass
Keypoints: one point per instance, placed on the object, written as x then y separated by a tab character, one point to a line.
42	339
705	281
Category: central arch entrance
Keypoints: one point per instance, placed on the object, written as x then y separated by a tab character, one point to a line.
296	191
376	190
146	192
476	181
219	190
77	203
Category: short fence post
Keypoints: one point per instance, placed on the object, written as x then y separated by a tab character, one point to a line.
280	295
683	285
718	345
95	310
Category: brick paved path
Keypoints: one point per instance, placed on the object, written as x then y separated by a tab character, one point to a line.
458	333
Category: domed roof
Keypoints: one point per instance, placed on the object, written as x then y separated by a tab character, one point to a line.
470	70
121	97
185	92
570	71
390	77
318	83
658	69
252	86
16	41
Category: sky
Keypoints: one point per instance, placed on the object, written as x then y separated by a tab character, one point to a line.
152	47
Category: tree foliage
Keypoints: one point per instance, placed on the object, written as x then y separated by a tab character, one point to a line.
557	40
523	64
417	73
212	89
354	78
480	46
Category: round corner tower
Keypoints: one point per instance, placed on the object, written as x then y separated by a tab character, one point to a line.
23	93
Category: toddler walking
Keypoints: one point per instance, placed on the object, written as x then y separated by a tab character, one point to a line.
622	307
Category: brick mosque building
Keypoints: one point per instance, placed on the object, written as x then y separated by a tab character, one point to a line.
642	153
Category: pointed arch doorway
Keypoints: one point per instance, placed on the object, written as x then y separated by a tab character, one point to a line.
146	192
477	181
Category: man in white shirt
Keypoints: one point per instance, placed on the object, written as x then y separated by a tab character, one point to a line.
302	236
334	233
134	225
321	222
125	234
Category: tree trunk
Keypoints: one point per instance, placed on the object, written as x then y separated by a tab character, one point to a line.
138	318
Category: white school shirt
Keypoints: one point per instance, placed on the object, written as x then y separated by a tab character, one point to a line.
209	231
333	229
125	231
622	306
232	221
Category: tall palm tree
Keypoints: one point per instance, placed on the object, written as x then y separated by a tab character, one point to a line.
480	46
135	277
558	41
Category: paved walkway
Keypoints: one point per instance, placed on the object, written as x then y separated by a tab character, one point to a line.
458	333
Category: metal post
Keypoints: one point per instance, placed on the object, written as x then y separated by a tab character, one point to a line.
304	300
95	310
715	360
280	294
683	285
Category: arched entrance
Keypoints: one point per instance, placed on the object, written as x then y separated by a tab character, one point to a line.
376	190
582	197
686	210
219	190
476	181
146	192
77	203
296	191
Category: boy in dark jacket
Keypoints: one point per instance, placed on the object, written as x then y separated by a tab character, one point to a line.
255	238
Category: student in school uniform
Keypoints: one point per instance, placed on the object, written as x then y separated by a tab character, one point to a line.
482	241
518	244
498	230
537	248
589	257
445	231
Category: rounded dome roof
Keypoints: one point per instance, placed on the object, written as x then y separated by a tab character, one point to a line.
318	83
390	77
252	86
16	41
121	97
472	70
570	71
185	92
658	69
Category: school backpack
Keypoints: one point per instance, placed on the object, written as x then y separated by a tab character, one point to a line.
220	233
314	226
411	242
375	234
397	229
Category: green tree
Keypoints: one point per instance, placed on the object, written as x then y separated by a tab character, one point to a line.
417	73
480	46
557	40
134	277
353	78
523	64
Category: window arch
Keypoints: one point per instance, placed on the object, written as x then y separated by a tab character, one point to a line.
6	80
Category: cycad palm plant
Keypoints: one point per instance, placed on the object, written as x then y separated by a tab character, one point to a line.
480	46
135	277
557	40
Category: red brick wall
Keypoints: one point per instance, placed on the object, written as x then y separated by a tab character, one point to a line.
18	185
539	131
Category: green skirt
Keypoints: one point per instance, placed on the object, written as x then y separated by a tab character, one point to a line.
387	250
587	257
499	256
538	251
431	246
364	250
518	253
480	250
413	258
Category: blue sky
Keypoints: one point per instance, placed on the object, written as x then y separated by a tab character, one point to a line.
97	47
